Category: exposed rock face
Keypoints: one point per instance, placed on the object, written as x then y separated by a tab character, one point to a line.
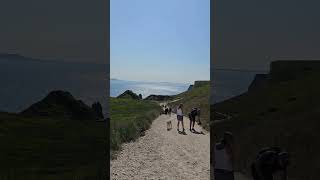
61	104
260	80
158	97
97	108
200	83
128	94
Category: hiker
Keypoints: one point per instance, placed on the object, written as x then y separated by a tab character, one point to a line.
268	162
180	117
198	114
224	158
170	111
166	110
192	117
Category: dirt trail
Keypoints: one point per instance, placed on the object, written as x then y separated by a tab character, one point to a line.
162	154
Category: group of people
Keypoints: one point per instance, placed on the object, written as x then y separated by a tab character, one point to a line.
195	112
268	161
167	110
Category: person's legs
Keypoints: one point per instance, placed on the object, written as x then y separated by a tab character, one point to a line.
182	125
194	120
178	123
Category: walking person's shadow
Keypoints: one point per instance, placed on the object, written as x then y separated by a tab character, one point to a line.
182	132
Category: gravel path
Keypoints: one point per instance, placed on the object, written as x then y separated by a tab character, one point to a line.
162	154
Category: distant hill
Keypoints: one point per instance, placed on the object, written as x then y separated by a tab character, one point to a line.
128	94
62	104
283	112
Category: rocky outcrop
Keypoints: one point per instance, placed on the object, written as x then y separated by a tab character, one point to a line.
128	94
61	104
158	97
200	83
190	87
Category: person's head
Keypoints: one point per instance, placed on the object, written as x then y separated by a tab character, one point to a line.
228	138
180	105
283	159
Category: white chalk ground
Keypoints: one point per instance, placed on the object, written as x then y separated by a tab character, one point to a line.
162	154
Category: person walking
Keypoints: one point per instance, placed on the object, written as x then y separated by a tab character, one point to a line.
180	117
224	158
192	117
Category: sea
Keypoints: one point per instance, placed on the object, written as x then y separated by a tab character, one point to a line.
117	87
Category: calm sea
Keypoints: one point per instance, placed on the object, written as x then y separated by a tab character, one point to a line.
117	87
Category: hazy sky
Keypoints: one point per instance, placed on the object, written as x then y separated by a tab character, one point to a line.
160	40
250	30
61	29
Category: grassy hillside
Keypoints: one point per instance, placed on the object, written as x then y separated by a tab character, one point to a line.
129	118
45	148
198	96
284	114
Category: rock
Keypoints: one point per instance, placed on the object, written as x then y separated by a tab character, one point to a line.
128	94
61	104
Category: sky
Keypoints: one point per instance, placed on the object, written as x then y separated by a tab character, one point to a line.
252	33
160	40
70	30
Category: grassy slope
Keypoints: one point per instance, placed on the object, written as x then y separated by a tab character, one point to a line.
129	118
270	117
38	148
196	97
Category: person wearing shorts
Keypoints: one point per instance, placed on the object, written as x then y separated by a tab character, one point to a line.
180	117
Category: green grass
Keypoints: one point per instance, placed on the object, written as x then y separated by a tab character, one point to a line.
196	97
284	114
129	118
40	148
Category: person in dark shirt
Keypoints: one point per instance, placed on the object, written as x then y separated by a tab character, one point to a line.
268	162
192	117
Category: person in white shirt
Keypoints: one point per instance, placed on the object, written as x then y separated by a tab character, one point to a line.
180	117
224	158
